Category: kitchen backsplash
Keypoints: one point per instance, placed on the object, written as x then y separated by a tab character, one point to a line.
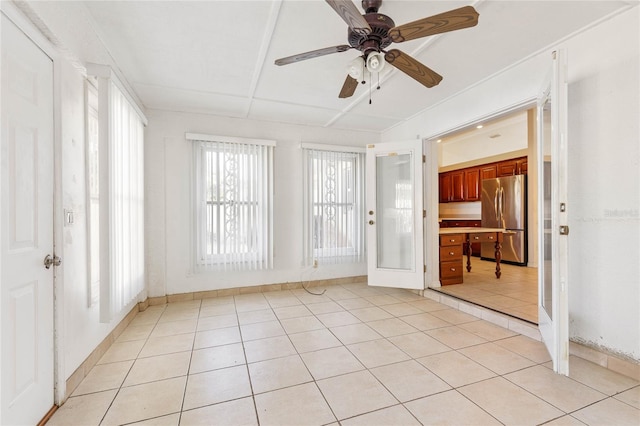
471	211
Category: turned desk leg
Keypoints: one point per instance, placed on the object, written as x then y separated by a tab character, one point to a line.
498	254
468	244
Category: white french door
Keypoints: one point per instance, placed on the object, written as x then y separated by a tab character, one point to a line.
553	280
26	231
394	217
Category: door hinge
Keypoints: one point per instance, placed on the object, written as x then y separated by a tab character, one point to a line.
425	269
424	158
424	213
564	230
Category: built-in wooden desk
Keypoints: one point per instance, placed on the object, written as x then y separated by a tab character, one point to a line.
452	241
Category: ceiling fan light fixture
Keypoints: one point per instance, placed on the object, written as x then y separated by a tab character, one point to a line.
375	62
356	68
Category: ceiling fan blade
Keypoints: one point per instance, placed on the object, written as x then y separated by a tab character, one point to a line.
348	88
312	54
452	20
412	68
349	12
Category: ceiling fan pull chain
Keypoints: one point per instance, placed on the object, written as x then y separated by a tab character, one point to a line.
369	92
378	88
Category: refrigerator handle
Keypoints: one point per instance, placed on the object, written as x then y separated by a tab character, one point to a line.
495	204
501	203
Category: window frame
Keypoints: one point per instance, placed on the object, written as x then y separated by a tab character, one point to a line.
356	250
257	221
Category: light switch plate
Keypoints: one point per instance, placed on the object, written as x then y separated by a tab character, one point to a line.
68	217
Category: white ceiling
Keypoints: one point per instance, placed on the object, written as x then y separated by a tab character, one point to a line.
218	57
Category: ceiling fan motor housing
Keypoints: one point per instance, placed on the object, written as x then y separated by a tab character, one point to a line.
378	39
371	5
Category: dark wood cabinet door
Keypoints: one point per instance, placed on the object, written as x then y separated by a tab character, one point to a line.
507	168
472	184
444	185
521	164
489	171
457	185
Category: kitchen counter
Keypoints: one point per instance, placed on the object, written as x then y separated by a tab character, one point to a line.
471	229
463	237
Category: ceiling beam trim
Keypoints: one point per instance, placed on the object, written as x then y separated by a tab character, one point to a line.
264	49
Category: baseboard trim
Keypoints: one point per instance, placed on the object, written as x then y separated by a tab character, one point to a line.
81	372
236	291
48	416
609	361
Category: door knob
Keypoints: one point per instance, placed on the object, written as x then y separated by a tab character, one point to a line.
55	261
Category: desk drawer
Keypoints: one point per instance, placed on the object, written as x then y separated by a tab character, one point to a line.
452	269
489	237
450	253
451	240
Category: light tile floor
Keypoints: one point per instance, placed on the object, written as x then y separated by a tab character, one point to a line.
515	293
356	355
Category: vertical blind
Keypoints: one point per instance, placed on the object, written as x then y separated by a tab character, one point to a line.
333	206
125	204
233	204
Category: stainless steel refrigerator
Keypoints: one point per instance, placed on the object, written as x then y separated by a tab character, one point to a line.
504	205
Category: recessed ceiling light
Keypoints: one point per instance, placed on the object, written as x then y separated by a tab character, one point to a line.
439	140
479	126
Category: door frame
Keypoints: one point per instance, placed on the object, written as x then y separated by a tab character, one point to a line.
19	18
555	328
431	204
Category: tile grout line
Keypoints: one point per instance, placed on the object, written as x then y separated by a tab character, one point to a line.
367	369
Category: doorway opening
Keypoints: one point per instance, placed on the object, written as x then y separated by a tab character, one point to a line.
491	149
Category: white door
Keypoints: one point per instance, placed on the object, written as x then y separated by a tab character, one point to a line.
394	215
553	282
26	231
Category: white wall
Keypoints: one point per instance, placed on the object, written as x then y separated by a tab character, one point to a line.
80	331
168	202
477	144
604	179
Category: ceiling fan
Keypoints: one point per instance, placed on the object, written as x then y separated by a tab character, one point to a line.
372	32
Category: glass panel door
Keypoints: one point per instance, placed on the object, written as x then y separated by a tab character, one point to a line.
394	203
546	295
394	215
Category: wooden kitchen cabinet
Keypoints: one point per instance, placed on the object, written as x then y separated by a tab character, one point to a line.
444	185
507	168
475	247
457	185
489	171
466	184
521	166
472	188
451	186
451	259
517	166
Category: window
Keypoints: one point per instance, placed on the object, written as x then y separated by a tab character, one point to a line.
334	203
233	185
118	196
